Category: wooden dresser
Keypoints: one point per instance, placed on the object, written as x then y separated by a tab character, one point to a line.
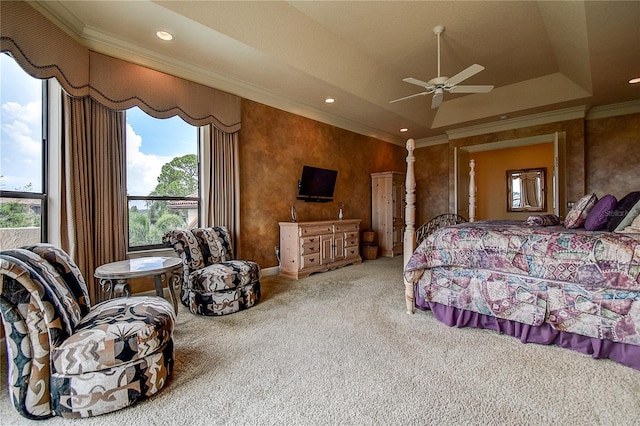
308	247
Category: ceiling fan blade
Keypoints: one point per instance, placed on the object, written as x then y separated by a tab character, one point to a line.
418	82
409	97
464	74
437	100
470	89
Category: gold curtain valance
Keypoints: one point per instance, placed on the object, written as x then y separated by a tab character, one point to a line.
120	85
42	49
45	51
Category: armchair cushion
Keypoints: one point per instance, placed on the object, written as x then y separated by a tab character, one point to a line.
116	332
68	271
55	288
224	276
215	243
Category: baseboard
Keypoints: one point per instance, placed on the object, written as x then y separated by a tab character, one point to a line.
274	270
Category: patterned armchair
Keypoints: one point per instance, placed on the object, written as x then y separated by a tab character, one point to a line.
68	358
214	283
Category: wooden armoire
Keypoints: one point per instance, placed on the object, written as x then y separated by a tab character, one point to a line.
387	211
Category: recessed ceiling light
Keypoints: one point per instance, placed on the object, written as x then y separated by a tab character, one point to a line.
634	80
404	129
164	35
330	100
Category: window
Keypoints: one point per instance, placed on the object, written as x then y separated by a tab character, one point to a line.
163	179
23	155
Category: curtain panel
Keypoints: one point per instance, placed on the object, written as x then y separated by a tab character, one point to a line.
220	180
93	185
44	50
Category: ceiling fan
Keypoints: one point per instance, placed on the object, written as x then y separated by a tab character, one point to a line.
440	84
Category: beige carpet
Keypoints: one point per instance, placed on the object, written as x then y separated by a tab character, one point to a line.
338	348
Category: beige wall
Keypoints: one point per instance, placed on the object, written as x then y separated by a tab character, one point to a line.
602	156
274	145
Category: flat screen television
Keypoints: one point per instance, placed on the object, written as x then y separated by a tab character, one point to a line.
317	185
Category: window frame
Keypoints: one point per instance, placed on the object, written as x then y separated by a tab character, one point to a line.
198	199
42	196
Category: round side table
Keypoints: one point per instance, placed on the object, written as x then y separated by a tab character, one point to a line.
113	276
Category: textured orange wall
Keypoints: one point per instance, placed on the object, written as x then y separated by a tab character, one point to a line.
491	168
274	145
432	182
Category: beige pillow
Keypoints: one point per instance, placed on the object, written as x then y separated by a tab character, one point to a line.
634	228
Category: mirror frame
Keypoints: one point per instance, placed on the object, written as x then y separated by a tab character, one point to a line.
543	190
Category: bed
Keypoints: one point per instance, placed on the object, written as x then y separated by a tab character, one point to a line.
568	287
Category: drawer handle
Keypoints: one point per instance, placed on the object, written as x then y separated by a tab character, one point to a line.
312	259
311	240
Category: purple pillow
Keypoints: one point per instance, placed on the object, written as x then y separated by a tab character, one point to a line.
622	210
600	213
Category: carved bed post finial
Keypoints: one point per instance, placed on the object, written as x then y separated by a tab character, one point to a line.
410	220
472	190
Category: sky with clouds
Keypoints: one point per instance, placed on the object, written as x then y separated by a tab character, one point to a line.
150	142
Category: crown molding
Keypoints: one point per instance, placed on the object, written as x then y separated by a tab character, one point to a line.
623	108
520	122
106	44
435	140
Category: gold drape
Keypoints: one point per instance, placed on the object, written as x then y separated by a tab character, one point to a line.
220	181
93	186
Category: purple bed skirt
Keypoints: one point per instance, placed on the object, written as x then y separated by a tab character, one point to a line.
544	334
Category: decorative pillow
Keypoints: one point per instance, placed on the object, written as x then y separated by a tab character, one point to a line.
634	228
634	212
600	213
579	212
622	210
543	220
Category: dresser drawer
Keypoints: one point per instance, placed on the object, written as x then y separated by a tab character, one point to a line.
350	242
351	252
353	234
315	230
315	239
310	248
351	227
309	260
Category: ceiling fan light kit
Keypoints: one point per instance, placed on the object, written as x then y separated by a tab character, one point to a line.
439	84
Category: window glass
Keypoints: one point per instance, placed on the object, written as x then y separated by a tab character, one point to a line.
22	148
162	177
21	143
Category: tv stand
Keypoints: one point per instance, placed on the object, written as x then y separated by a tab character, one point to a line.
309	247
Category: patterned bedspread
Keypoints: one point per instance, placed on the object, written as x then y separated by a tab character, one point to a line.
592	259
577	281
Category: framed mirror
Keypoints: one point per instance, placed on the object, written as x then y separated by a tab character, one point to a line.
526	190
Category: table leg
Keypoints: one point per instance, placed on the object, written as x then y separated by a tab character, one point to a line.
160	292
115	288
175	280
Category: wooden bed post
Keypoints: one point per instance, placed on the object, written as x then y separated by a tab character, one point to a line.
472	190
410	220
